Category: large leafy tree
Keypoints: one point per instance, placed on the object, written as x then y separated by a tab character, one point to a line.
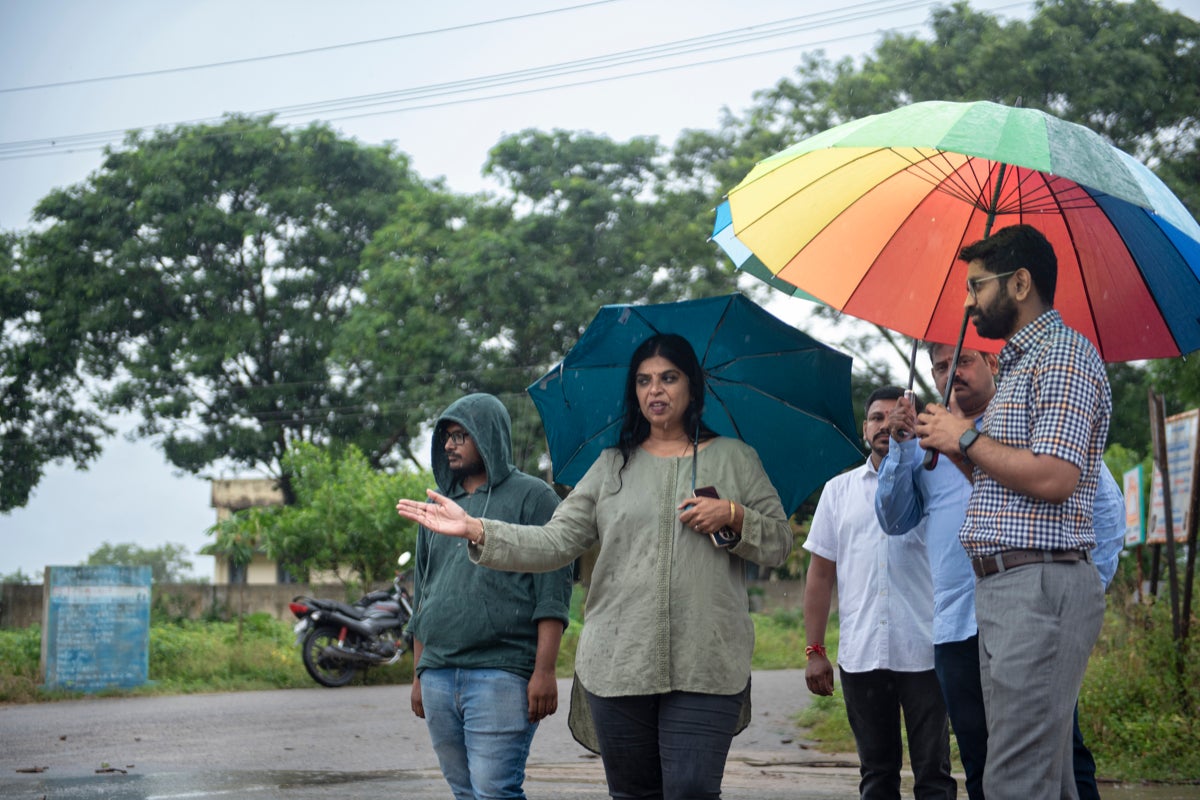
1129	70
203	273
405	348
1179	382
43	418
484	294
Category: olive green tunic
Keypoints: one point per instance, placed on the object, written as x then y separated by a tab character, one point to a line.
666	610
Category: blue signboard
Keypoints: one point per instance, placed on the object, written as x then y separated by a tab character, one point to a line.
96	631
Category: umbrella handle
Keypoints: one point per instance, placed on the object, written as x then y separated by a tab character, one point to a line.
931	459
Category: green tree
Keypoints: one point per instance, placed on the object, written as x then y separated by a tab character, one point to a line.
605	222
1179	381
204	271
168	563
1129	70
406	347
344	520
1129	427
485	294
43	418
237	540
18	576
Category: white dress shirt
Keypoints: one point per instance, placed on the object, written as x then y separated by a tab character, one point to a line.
885	590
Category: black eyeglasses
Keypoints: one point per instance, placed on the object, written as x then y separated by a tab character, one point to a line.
973	283
458	437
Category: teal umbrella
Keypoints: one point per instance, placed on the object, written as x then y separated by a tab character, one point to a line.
772	386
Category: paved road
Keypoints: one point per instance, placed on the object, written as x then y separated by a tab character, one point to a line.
364	743
360	742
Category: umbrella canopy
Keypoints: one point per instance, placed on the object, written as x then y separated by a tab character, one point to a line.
766	383
869	217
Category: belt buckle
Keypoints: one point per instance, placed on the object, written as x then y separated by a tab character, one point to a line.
987	565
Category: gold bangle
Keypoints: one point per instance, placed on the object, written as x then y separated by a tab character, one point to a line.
732	512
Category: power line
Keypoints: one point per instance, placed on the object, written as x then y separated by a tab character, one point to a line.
96	140
294	53
594	81
621	58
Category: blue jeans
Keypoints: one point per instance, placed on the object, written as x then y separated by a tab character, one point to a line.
669	746
478	721
873	703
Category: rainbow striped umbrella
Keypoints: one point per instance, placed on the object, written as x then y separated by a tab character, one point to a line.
869	218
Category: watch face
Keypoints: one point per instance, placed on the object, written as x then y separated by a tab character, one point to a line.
967	439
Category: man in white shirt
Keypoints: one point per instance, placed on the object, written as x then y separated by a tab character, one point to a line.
885	606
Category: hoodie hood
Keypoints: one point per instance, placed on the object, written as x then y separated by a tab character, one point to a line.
486	420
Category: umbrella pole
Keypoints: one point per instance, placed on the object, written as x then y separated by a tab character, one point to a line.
912	365
912	372
931	456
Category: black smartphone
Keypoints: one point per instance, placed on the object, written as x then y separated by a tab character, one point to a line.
725	537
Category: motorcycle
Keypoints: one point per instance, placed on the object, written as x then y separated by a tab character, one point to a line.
338	640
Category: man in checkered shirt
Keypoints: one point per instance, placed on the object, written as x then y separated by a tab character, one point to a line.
1029	530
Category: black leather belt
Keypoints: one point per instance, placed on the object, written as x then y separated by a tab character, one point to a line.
1008	559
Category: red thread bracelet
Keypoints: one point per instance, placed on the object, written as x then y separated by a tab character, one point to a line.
815	647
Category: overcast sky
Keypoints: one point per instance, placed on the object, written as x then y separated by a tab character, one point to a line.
73	76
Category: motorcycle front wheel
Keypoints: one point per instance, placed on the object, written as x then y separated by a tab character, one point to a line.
324	669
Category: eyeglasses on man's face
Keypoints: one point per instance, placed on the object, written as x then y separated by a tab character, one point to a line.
973	283
965	361
457	437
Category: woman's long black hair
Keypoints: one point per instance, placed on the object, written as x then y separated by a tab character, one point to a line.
635	427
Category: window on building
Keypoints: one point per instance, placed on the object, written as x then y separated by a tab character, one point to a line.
283	576
237	573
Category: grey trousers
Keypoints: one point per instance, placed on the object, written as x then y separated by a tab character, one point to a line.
1037	626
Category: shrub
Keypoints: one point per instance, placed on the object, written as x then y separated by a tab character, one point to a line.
20	653
1137	708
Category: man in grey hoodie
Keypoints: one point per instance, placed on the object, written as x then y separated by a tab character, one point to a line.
485	642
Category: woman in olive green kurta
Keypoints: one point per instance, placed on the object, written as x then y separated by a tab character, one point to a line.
667	611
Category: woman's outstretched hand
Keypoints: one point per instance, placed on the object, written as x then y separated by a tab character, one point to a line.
443	515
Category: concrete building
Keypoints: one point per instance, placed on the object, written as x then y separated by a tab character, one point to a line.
239	494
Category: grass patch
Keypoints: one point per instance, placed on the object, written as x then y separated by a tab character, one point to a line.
189	657
826	723
20	652
779	640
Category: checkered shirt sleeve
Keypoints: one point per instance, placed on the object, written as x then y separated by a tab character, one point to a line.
1053	399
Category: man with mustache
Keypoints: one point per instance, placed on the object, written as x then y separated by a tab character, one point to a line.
885	606
909	494
1029	527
